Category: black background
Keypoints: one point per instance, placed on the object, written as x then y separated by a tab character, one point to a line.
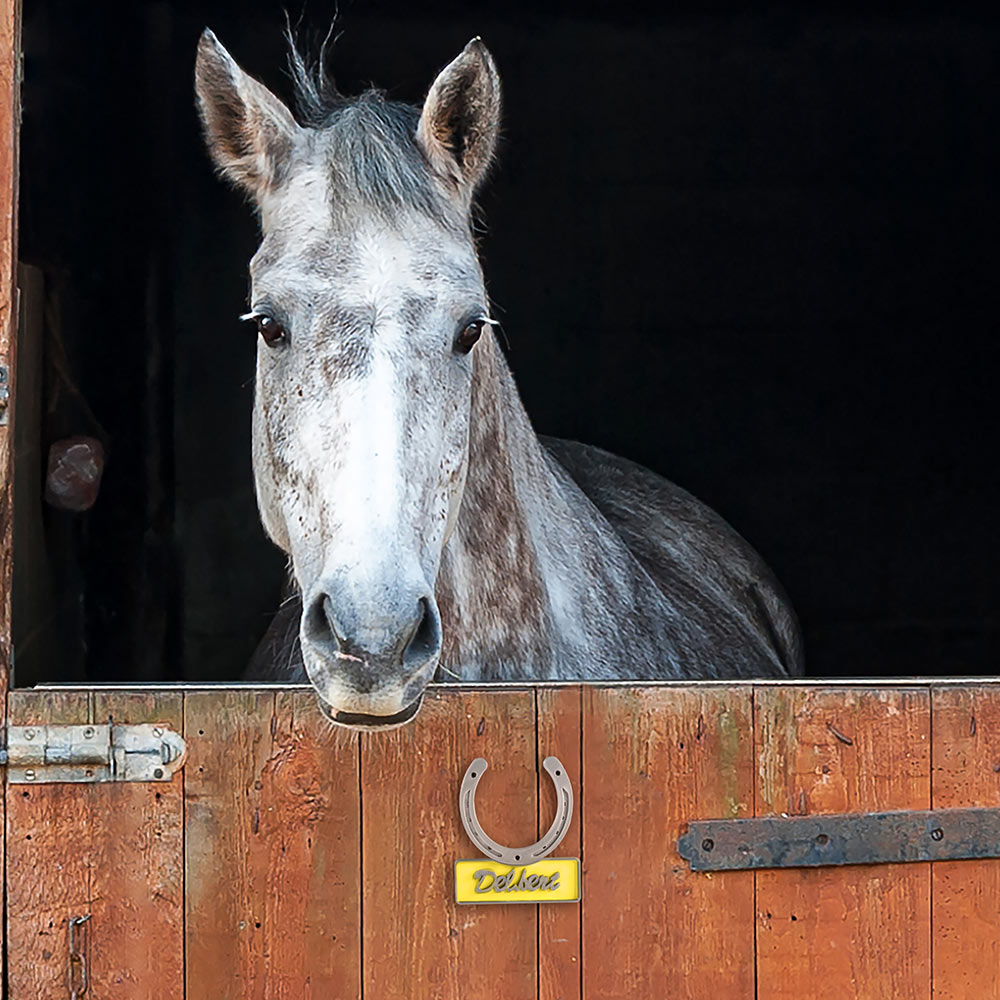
752	248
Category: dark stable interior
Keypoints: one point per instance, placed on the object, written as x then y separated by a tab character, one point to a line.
751	248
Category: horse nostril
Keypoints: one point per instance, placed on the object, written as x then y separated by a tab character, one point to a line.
426	639
320	622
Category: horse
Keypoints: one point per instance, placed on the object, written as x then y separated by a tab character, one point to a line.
430	532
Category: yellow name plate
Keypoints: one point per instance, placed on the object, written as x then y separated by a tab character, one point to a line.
553	880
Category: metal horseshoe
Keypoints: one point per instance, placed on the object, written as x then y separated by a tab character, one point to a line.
516	855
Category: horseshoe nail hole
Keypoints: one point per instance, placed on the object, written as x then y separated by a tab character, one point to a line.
517	857
558	773
473	774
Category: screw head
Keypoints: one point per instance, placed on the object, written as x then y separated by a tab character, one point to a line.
937	833
88	733
157	731
30	774
707	844
29	734
158	773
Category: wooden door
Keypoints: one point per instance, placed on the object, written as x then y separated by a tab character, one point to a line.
10	47
293	860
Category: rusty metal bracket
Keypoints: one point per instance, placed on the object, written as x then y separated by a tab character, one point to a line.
841	839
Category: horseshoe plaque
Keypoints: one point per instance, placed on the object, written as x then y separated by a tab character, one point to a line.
517	874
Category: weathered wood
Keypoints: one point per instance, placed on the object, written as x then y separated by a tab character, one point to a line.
272	844
10	101
966	896
418	943
50	859
843	932
111	851
137	869
10	98
559	730
654	758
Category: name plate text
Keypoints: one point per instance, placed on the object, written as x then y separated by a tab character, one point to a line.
552	880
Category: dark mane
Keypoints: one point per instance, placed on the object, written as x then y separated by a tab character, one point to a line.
370	140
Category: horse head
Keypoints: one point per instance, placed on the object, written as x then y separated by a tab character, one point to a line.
369	299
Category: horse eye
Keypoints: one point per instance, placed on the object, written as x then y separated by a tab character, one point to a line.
272	332
466	340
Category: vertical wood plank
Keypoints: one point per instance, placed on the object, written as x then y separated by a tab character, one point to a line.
966	894
10	99
49	859
137	877
559	732
418	943
653	759
10	103
858	931
272	833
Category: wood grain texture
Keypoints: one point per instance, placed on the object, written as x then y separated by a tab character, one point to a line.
137	873
113	851
272	841
10	103
861	931
654	758
418	943
49	860
559	732
966	894
10	98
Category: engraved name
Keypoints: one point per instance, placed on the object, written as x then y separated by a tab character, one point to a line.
490	881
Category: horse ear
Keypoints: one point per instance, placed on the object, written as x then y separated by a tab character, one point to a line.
249	132
461	118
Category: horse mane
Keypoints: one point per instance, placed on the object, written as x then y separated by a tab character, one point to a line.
369	139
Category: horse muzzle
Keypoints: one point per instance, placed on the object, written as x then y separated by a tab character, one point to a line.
367	723
370	671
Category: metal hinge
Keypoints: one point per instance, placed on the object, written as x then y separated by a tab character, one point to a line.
841	839
42	755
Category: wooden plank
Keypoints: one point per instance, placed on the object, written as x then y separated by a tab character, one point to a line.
861	931
558	711
137	870
10	113
966	755
272	834
49	860
10	98
418	943
654	758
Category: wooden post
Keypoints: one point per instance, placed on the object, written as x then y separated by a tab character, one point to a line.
10	114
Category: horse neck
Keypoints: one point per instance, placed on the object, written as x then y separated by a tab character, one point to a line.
505	599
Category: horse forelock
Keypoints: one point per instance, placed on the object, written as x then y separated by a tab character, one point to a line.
369	144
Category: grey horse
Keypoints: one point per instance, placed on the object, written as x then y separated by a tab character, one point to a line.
430	532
